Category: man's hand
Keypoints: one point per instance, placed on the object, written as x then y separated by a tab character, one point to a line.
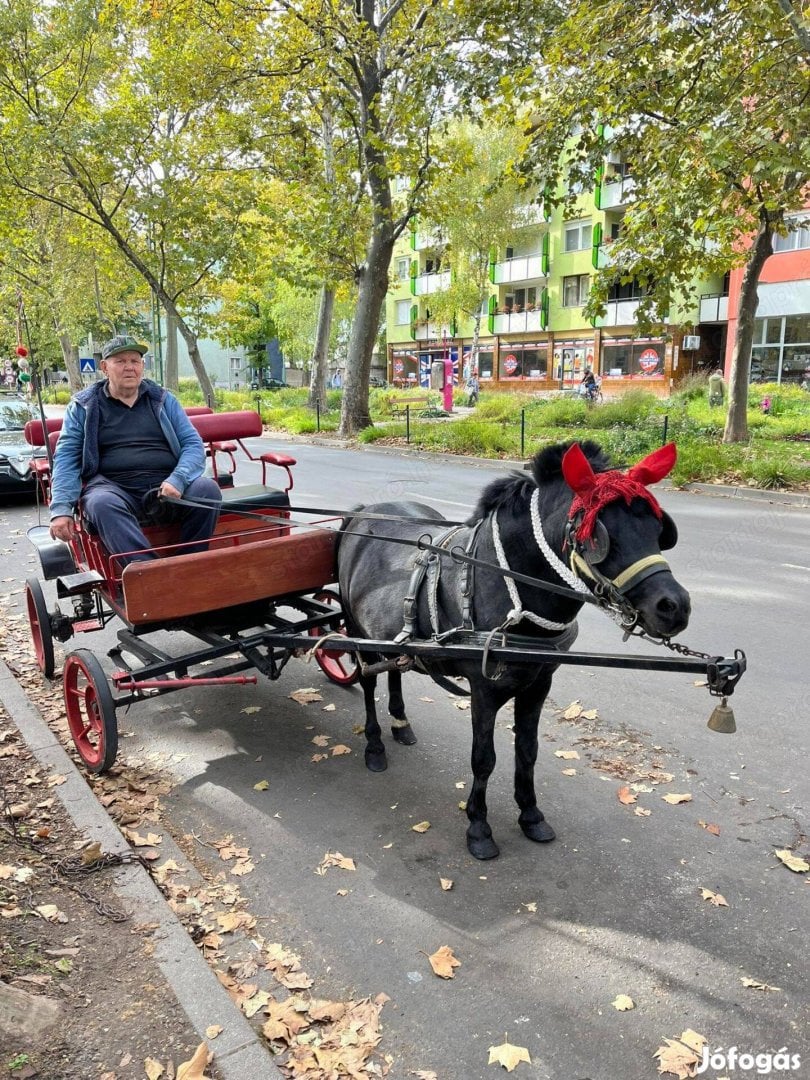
62	528
167	491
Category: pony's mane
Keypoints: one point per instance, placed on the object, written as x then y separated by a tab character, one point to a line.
513	491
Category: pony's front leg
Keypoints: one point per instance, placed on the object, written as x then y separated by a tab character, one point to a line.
376	760
479	834
400	726
528	704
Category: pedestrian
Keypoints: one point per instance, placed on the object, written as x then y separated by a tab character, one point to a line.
124	441
473	388
717	388
765	405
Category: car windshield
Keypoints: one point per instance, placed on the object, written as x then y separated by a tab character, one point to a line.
14	415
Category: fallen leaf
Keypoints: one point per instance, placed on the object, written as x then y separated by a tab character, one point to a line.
242	867
212	1031
426	699
51	913
531	906
567	755
589	714
150	840
257	1001
508	1055
342	892
752	984
305	695
423	826
249	710
673	799
262	785
154	1070
318	757
443	962
714	898
623	1003
426	1074
329	708
569	772
463	705
322	740
195	1068
626	796
55	780
640	811
446	884
573	712
793	862
710	827
92	853
680	1056
334	858
340	749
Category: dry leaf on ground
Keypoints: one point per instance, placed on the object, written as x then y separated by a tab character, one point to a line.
793	862
423	826
714	898
673	799
262	785
752	984
567	755
569	772
508	1055
710	827
626	796
305	695
340	749
153	1069
334	858
623	1003
195	1068
446	884
443	962
680	1056
573	711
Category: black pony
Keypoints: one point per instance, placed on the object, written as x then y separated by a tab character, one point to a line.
573	521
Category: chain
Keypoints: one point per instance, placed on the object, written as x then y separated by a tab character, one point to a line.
72	867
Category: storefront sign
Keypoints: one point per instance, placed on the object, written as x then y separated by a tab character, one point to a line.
510	364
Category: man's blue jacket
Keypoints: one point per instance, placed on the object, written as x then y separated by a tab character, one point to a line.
76	458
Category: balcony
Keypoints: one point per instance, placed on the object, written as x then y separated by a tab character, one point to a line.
522	268
617	194
713	308
517	322
620	313
431	238
534	214
431	283
432	331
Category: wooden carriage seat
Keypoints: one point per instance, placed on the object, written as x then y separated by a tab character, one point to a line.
223	433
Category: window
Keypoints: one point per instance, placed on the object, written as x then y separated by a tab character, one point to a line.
798	237
575	290
518	361
638	359
510	253
577	236
403	312
403	269
630	290
781	350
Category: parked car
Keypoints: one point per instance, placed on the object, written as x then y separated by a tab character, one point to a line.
375	380
268	384
16	475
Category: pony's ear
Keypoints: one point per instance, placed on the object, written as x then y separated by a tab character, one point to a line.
577	471
655	466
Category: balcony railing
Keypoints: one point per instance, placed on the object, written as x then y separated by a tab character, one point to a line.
430	238
431	283
618	193
620	312
713	308
432	331
521	268
534	214
517	322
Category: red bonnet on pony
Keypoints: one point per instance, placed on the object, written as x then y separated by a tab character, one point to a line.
593	491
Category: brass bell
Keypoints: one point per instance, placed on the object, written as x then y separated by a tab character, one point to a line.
722	719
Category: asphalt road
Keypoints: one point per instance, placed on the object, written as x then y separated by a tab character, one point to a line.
547	935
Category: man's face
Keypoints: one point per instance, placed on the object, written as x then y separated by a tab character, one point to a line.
125	371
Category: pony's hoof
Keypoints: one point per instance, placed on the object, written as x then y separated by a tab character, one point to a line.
539	831
482	847
404	735
376	762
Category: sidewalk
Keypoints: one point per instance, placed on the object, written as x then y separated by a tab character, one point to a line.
127	991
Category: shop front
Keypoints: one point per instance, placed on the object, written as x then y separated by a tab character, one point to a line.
636	360
412	367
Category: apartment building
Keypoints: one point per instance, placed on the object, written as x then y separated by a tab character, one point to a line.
534	335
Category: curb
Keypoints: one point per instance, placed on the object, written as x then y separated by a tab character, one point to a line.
238	1051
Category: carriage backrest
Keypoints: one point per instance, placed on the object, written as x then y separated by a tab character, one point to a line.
197	410
35	434
219	427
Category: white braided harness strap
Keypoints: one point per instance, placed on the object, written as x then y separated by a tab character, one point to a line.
518	612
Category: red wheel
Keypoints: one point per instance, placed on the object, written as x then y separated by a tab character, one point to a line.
340	667
90	710
40	622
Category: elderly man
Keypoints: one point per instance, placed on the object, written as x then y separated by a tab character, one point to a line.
124	439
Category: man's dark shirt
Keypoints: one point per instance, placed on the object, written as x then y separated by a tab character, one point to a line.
133	451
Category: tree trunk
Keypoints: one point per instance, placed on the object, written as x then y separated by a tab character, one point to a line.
365	327
736	429
171	376
317	376
70	356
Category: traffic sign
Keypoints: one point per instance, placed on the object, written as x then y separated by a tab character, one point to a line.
87	366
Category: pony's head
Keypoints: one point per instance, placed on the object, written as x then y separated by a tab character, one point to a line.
616	530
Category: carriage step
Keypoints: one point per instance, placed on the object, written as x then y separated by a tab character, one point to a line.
84	625
76	584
